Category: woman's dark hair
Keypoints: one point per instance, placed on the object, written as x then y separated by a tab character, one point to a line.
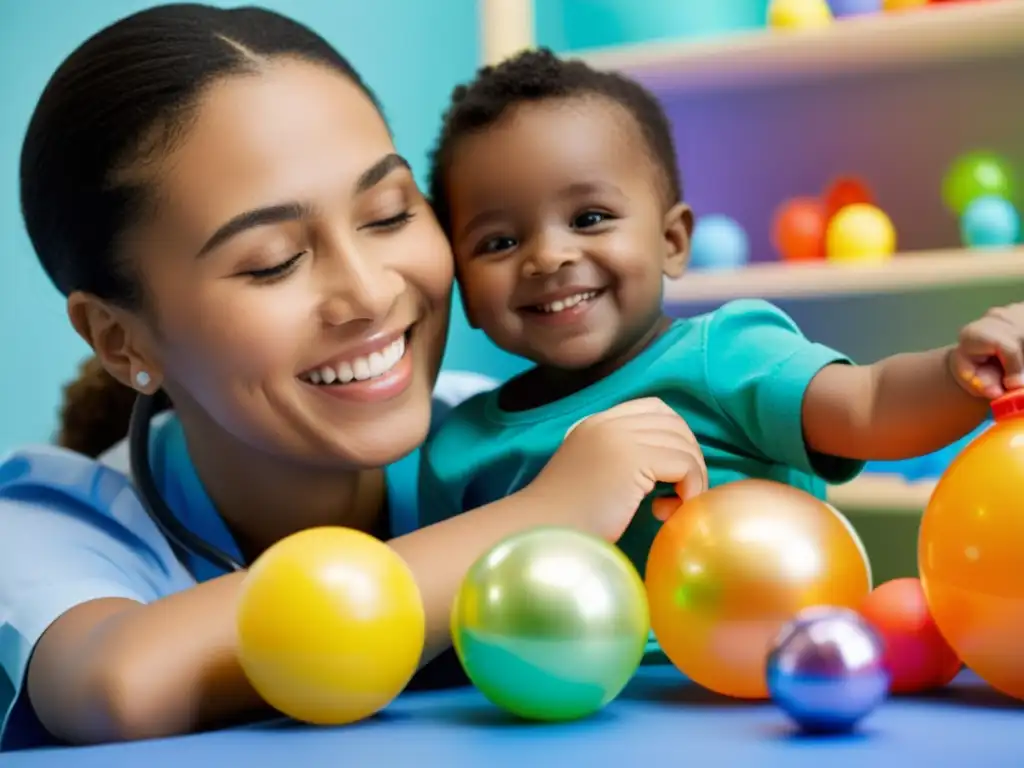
124	97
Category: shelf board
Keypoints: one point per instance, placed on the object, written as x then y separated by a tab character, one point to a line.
886	42
887	493
904	273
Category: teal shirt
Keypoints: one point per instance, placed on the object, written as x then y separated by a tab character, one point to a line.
736	375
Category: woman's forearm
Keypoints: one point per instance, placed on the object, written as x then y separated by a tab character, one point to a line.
441	554
115	670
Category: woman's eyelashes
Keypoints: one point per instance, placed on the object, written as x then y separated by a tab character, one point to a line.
276	272
283	269
391	222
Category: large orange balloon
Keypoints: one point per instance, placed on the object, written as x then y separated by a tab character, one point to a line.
733	565
970	548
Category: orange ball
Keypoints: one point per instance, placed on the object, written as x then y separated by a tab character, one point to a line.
918	657
735	564
969	551
798	230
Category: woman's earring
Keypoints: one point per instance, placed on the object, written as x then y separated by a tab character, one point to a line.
142	380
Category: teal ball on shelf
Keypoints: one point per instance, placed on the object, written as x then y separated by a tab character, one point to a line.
718	242
990	222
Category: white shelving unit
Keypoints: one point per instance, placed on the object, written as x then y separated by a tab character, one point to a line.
905	273
767	115
852	47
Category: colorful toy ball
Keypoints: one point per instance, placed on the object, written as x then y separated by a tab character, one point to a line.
841	8
860	233
916	655
903	5
975	175
731	566
969	550
990	222
718	242
826	670
798	14
551	624
331	626
843	192
798	230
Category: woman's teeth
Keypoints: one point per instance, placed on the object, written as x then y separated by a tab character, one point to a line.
566	303
359	368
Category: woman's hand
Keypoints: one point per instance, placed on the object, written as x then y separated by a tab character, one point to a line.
611	461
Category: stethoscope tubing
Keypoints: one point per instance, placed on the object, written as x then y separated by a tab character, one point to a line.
153	502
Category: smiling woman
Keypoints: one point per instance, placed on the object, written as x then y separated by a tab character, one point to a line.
233	232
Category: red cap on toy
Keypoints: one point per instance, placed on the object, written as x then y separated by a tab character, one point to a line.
1009	406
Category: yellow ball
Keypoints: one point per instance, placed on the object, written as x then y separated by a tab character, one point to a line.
798	14
860	232
331	626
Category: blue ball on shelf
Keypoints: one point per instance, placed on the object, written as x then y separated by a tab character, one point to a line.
842	8
990	222
827	670
718	242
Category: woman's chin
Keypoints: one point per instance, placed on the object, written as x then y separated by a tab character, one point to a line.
380	442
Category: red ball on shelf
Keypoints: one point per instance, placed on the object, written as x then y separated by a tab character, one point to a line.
844	191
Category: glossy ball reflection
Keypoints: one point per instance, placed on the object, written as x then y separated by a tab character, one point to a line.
551	624
733	565
827	669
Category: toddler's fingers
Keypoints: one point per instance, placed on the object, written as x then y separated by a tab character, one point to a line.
665	507
695	482
984	379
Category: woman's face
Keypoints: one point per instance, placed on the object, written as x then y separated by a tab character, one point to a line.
297	280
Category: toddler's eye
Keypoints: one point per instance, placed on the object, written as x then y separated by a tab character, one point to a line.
589	219
497	244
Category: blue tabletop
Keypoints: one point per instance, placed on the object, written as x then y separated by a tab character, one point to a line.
660	720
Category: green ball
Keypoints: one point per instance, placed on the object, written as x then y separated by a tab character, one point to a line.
551	624
975	175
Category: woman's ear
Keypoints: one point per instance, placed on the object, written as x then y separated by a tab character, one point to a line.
678	228
118	339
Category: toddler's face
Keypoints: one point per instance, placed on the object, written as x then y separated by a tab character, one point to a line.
561	233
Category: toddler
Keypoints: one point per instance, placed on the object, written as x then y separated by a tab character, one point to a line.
559	188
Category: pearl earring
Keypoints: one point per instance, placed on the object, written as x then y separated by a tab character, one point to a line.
142	379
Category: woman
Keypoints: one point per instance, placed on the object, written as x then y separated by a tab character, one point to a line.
217	195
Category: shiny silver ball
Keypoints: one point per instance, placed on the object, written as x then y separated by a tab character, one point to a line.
826	669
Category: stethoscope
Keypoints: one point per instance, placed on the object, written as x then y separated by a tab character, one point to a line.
152	501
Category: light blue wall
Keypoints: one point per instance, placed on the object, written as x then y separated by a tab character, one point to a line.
411	51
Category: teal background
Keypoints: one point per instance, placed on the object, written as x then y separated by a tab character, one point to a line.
570	25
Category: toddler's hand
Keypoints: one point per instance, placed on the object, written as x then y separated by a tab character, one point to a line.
988	361
611	461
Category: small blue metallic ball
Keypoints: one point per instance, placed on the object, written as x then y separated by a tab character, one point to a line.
826	670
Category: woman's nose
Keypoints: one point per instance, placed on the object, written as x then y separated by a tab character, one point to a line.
357	289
